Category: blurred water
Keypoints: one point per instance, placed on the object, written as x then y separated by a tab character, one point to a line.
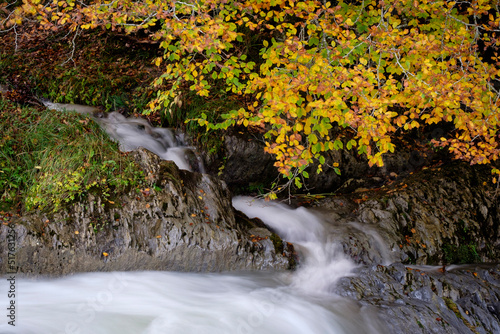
132	133
323	262
170	302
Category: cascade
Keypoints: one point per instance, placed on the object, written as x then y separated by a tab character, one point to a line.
171	302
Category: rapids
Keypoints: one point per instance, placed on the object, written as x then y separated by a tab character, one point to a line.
172	302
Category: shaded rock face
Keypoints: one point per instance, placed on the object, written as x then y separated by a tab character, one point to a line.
244	163
186	223
246	166
436	216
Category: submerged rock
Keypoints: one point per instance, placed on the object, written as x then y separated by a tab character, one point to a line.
184	222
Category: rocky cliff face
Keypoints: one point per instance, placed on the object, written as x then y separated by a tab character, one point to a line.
410	238
438	216
185	222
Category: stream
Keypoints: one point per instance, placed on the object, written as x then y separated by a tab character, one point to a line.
306	300
172	302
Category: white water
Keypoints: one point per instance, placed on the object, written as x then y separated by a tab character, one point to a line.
182	303
324	262
133	133
169	302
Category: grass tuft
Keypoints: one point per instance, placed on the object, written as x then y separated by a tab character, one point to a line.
49	158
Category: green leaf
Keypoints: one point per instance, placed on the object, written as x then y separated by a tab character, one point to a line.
298	183
312	138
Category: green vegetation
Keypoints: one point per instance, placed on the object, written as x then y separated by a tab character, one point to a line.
314	76
190	107
108	70
48	159
464	253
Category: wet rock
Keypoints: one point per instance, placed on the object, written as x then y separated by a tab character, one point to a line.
411	300
440	215
184	221
244	163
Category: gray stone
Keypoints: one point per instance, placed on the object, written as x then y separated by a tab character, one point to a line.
184	221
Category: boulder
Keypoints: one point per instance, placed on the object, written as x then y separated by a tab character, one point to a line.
429	300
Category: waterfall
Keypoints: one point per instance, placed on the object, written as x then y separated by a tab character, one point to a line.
324	261
220	303
132	133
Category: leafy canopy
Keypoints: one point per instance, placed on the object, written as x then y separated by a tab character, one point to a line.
319	75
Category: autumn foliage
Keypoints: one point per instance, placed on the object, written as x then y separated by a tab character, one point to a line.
318	75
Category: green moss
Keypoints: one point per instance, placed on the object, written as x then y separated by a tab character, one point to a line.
461	254
277	242
452	306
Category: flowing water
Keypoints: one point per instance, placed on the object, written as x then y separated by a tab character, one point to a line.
132	133
171	302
